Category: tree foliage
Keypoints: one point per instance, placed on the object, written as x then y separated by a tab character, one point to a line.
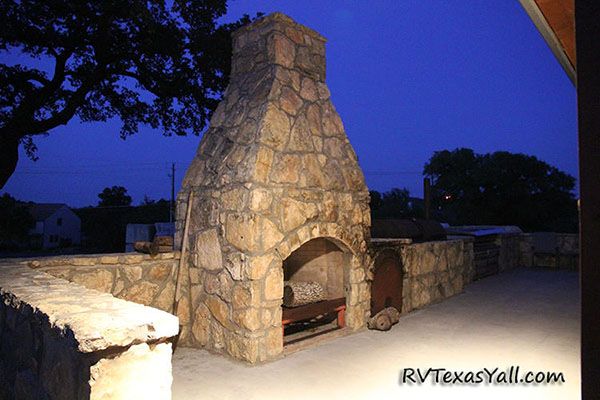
502	188
395	203
113	197
159	63
15	222
104	229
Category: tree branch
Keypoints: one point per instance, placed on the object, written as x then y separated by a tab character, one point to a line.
24	113
59	71
30	126
64	115
33	76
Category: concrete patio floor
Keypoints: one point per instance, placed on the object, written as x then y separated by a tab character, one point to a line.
527	318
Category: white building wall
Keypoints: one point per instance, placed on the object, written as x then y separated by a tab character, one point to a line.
70	228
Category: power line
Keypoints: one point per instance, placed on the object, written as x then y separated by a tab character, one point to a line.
105	164
172	202
133	168
88	173
389	173
113	162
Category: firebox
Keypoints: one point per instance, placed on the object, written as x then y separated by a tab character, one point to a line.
314	289
278	201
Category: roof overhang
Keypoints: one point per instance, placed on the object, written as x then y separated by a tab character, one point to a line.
555	19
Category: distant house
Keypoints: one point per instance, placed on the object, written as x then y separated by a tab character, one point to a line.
416	203
55	225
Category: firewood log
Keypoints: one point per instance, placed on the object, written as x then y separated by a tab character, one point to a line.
163	240
143	247
394	314
300	293
384	319
381	322
151	248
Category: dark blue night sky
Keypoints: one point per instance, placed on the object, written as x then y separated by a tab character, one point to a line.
407	77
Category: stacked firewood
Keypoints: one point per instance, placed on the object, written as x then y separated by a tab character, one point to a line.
300	293
160	244
384	319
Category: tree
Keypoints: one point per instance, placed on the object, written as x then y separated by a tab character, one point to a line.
502	188
114	196
374	200
15	221
147	201
393	204
159	63
104	229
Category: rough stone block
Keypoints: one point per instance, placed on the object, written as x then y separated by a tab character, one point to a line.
220	311
101	280
133	273
109	259
274	284
142	292
84	261
142	372
248	318
131	259
160	272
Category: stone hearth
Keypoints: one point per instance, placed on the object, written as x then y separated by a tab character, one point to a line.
274	171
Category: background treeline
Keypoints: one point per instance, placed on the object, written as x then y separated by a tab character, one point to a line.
103	228
501	188
467	188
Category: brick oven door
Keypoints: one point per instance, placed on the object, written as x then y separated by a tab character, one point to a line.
386	288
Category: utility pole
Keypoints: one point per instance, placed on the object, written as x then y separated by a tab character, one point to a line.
427	197
172	202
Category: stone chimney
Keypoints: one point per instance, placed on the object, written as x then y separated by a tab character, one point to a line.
274	171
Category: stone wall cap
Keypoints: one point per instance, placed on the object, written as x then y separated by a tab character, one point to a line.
460	238
280	17
96	320
391	240
94	259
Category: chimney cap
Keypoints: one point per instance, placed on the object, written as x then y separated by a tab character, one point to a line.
273	19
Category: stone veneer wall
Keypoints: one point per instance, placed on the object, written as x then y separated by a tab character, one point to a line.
568	243
565	254
274	170
135	277
526	250
432	271
509	246
59	340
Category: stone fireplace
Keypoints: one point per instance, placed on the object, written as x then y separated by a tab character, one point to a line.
277	194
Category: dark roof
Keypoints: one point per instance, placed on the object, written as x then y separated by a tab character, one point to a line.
41	211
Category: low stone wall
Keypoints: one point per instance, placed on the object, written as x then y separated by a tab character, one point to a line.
568	243
526	250
135	277
432	271
556	250
59	340
468	260
509	246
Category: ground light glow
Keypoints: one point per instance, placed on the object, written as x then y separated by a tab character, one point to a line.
528	318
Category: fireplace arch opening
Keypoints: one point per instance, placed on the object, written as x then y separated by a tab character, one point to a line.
315	288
